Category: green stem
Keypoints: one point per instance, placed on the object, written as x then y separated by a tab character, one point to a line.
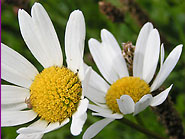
139	120
141	129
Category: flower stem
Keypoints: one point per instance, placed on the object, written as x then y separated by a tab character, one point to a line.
139	120
141	129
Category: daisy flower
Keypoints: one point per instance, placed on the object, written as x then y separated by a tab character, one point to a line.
56	94
120	94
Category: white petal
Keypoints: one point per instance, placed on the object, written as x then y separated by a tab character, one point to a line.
56	125
151	56
30	37
74	40
79	117
85	82
116	60
143	103
13	94
47	35
108	115
96	81
41	126
162	55
140	50
99	109
101	58
160	98
13	107
115	53
44	48
126	104
167	67
94	129
107	37
13	118
96	87
82	108
29	136
95	95
81	71
35	128
15	68
100	104
77	124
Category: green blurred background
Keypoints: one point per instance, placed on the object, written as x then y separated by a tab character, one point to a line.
167	15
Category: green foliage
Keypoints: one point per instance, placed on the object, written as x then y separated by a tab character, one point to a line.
168	15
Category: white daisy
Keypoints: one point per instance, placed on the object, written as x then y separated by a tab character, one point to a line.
56	94
123	94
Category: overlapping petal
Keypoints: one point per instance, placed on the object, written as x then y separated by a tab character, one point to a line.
13	118
143	103
151	55
13	94
41	127
101	59
140	50
40	36
15	68
14	106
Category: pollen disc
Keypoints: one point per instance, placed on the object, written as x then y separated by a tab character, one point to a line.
132	86
55	94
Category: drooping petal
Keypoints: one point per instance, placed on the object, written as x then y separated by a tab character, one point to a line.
41	126
74	40
140	50
151	56
104	112
15	68
143	103
160	98
79	117
39	35
47	35
56	125
13	118
94	129
101	58
99	109
126	104
35	128
13	94
114	52
108	115
167	67
101	105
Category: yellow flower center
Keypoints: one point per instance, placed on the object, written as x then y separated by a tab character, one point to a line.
132	86
55	94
